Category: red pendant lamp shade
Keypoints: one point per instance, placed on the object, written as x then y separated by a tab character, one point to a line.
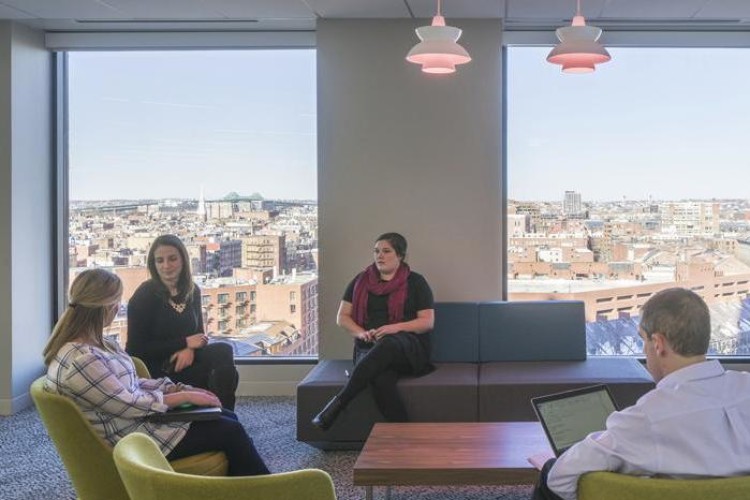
438	51
579	50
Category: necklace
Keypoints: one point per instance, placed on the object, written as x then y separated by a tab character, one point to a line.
177	307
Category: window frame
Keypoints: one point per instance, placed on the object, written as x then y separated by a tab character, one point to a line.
62	43
613	36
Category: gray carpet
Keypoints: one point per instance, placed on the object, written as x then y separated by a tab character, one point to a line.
30	468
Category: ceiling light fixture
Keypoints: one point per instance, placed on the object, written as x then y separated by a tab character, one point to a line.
578	50
438	51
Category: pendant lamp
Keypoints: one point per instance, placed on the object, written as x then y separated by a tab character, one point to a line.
578	50
438	51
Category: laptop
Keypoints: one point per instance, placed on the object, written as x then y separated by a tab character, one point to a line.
568	417
186	414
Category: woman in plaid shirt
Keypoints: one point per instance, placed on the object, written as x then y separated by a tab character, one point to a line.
100	377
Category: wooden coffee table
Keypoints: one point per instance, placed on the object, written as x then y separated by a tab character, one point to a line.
438	454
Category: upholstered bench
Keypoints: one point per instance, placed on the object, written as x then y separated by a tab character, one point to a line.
449	394
490	359
529	349
504	387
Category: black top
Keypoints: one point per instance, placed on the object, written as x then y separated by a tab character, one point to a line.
418	298
155	329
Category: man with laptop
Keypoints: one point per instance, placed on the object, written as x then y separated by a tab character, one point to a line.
695	423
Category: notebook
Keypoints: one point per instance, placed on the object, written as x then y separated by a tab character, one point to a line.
186	414
568	417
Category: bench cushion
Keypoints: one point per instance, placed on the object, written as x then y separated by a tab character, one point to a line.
449	394
506	389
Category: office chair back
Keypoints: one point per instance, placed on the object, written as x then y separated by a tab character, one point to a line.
610	485
148	476
88	458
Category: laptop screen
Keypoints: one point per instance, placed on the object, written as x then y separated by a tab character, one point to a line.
570	416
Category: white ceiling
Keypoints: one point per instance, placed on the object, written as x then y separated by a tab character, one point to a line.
210	15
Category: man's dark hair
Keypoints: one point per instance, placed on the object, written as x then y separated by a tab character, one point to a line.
682	317
397	241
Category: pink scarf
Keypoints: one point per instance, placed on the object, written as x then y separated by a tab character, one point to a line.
368	281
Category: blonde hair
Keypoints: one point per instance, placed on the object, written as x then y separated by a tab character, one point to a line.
92	296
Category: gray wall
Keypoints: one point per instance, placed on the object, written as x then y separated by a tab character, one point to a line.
6	353
26	236
400	150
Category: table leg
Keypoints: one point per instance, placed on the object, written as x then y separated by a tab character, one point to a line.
368	492
387	493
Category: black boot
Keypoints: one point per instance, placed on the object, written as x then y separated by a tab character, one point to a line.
324	419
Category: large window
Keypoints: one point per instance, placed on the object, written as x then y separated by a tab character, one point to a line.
218	147
628	181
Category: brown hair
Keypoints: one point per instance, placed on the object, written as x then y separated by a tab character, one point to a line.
93	294
397	241
682	317
185	283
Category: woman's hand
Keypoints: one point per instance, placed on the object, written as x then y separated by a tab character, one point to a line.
203	398
196	341
198	398
182	359
366	335
386	330
205	391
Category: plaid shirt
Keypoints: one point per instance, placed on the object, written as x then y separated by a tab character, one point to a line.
113	399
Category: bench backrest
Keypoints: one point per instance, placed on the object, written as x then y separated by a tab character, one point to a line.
455	338
509	331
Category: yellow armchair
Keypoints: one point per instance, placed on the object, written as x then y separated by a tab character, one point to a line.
88	458
610	485
148	476
140	367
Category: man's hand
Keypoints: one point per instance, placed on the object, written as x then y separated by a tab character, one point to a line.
539	459
182	359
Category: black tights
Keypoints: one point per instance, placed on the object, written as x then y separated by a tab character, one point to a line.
380	368
223	434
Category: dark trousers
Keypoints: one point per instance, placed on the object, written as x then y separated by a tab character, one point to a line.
380	368
541	490
212	369
223	434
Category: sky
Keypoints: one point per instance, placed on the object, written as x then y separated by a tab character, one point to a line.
163	124
668	124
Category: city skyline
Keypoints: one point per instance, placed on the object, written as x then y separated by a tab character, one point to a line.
559	199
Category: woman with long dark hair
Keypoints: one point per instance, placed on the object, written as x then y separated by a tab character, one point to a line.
389	311
165	325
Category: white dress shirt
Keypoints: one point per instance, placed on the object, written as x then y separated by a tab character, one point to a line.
695	423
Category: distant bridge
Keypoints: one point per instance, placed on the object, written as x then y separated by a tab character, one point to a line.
125	207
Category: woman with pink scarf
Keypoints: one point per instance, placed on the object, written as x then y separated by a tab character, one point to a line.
389	311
